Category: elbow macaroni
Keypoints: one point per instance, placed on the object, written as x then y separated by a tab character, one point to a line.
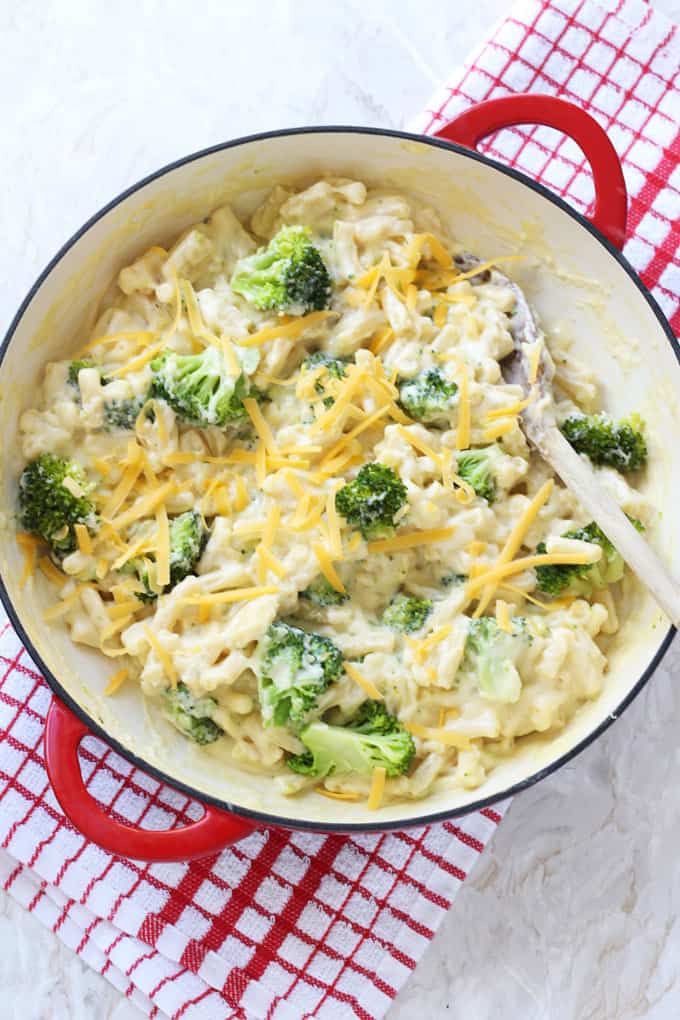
209	643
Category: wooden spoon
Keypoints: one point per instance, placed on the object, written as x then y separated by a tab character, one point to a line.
540	428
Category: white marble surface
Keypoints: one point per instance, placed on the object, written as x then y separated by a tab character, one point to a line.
573	912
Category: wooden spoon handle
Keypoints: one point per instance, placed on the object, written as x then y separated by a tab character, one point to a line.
578	475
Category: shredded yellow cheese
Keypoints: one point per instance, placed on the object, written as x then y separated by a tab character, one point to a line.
67	603
440	314
421	648
535	360
139	362
499	571
377	788
441	735
291	328
381	340
142	508
116	626
501	428
367	686
437	250
512	410
29	547
477	548
356	431
514	540
483	266
327	568
232	595
333	520
463	429
125	486
269	562
119	609
162	656
139	336
525	595
83	539
260	464
337	794
51	573
116	681
411	540
351	384
200	330
242	499
259	424
162	546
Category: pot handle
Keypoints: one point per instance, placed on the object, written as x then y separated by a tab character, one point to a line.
475	123
211	833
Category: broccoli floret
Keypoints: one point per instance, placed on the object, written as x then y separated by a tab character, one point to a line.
478	468
406	614
188	535
428	397
143	568
123	414
296	667
372	738
618	444
75	367
448	580
199	388
583	578
491	653
336	368
192	716
322	593
288	275
49	508
371	502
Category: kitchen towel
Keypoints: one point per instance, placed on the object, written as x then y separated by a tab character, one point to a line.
280	926
294	926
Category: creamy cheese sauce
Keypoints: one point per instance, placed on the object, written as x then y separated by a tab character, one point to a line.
267	489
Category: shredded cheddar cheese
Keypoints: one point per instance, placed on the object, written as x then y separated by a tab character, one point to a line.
29	546
290	329
514	542
220	598
377	791
259	424
337	794
367	686
411	540
327	569
116	681
440	735
162	655
464	413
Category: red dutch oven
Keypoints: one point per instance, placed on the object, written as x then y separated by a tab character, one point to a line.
578	281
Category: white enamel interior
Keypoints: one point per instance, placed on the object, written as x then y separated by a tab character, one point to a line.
578	288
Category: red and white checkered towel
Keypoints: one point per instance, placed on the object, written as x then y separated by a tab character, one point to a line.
293	926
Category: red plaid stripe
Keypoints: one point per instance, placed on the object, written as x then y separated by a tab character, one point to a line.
294	926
